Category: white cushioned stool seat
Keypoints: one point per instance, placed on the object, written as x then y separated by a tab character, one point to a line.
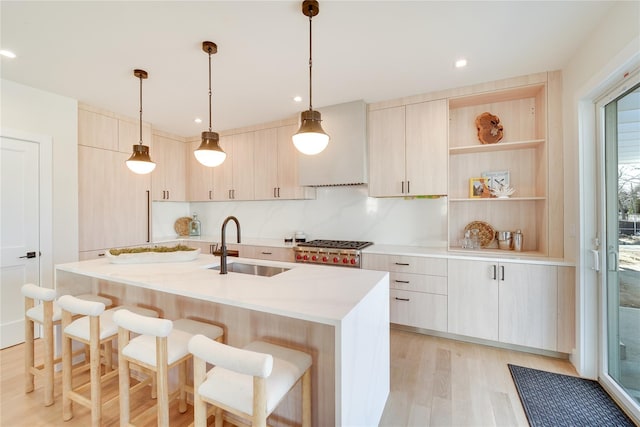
235	389
37	313
248	383
79	328
161	345
143	347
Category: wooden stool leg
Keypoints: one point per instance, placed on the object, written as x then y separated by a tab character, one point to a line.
94	357
259	402
219	419
48	353
154	386
108	356
29	356
306	398
67	409
124	378
199	405
163	381
182	383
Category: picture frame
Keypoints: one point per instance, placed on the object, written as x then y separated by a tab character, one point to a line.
497	179
478	188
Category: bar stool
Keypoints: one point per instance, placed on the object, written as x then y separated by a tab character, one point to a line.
97	329
162	345
249	382
48	314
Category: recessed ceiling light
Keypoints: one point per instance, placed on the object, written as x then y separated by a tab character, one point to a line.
461	63
7	53
197	120
297	98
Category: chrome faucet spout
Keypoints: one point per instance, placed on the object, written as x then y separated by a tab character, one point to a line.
223	249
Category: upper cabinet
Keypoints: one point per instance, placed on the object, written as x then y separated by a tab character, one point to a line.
408	150
113	202
200	182
169	177
276	165
235	176
529	152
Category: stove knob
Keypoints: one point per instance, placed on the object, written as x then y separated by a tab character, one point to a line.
325	259
298	256
353	261
314	258
336	260
306	257
345	260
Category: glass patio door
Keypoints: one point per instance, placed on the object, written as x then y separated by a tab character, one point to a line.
621	237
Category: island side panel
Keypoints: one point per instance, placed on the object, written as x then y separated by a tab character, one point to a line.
241	327
363	371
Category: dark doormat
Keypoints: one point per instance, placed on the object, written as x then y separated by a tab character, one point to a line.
562	400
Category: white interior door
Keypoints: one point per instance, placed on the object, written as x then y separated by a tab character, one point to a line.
19	232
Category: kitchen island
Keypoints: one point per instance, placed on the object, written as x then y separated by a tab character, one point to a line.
340	316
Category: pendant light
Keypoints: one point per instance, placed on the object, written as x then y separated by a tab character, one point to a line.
310	138
209	152
140	162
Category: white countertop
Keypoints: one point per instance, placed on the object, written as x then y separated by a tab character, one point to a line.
320	294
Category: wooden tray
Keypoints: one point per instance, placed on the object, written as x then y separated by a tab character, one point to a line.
182	226
487	233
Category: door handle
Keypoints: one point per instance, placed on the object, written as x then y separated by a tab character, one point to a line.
596	260
29	255
402	299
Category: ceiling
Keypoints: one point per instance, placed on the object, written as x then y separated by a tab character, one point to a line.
370	50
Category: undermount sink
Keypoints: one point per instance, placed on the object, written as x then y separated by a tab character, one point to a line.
256	270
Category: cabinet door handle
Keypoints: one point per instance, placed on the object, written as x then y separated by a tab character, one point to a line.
230	194
402	187
408	187
168	197
403	263
402	281
502	273
233	193
210	194
274	192
495	272
278	192
101	254
267	253
403	299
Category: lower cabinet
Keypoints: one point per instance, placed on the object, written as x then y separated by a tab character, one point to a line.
516	303
418	289
271	253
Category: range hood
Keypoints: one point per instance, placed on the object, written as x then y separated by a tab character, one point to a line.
344	161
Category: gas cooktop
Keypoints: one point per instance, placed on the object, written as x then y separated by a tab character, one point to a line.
336	244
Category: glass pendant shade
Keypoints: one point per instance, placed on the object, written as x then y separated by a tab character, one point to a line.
209	152
140	162
311	138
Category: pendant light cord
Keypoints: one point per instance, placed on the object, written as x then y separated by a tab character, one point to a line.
140	109
209	50
310	56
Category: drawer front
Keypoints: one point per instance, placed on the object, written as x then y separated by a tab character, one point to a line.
268	253
405	264
418	283
417	309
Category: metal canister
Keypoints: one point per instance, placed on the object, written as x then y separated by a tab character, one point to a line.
518	241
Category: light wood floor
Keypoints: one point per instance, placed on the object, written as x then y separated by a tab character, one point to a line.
434	382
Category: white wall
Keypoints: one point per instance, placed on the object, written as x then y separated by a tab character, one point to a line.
34	111
610	51
344	213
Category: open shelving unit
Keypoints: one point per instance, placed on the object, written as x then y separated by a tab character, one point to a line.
523	152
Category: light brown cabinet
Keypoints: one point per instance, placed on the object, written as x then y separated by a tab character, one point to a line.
408	150
418	289
276	165
201	183
234	179
169	177
514	303
113	202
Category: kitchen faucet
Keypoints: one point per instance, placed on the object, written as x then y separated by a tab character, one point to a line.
223	249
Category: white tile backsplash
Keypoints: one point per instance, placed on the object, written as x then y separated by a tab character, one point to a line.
343	213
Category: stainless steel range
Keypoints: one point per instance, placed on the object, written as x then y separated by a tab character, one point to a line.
344	253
